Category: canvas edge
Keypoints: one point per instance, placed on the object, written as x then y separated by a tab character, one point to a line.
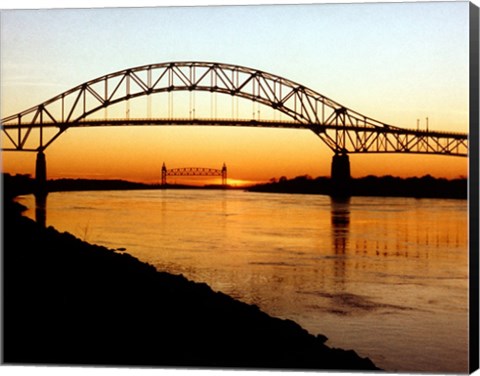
474	190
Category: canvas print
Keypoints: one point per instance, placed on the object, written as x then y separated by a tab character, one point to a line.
283	187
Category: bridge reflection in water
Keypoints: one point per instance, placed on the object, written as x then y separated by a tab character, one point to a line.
340	223
340	218
41	209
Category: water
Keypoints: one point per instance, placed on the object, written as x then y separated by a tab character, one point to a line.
387	277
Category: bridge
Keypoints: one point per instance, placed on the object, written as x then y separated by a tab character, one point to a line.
194	171
341	129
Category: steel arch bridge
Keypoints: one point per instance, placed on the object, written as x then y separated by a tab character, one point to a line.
340	128
343	130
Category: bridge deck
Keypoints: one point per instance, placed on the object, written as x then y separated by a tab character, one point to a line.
318	128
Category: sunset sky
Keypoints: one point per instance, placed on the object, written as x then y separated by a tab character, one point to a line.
395	62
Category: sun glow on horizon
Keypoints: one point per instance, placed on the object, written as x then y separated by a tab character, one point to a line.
410	63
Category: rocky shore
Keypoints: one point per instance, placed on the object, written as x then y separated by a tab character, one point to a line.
70	302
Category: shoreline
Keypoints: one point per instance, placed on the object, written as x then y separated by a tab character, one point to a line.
70	302
369	186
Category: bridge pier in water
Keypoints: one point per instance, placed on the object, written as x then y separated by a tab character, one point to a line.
41	175
41	191
340	176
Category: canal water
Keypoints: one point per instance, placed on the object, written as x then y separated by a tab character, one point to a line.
386	277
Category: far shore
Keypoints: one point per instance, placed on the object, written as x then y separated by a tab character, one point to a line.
385	186
373	186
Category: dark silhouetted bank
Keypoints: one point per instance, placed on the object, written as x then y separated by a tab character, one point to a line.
388	186
70	302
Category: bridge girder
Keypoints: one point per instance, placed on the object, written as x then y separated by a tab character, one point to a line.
340	128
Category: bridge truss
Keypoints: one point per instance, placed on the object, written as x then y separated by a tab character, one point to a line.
194	171
343	130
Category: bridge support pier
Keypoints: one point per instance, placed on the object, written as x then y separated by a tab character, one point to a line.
164	175
41	175
340	176
224	175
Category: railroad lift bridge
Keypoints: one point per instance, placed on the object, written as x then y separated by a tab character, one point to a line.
194	171
341	129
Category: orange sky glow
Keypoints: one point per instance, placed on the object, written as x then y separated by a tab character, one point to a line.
404	67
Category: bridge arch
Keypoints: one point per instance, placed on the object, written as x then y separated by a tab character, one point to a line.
340	128
305	107
293	99
343	130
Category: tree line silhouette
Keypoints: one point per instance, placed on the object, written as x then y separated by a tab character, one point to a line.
419	187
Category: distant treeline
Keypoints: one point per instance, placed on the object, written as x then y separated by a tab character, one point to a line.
15	185
423	187
24	184
61	185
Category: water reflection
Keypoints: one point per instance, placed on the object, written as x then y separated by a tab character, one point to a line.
387	277
340	218
340	214
41	209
